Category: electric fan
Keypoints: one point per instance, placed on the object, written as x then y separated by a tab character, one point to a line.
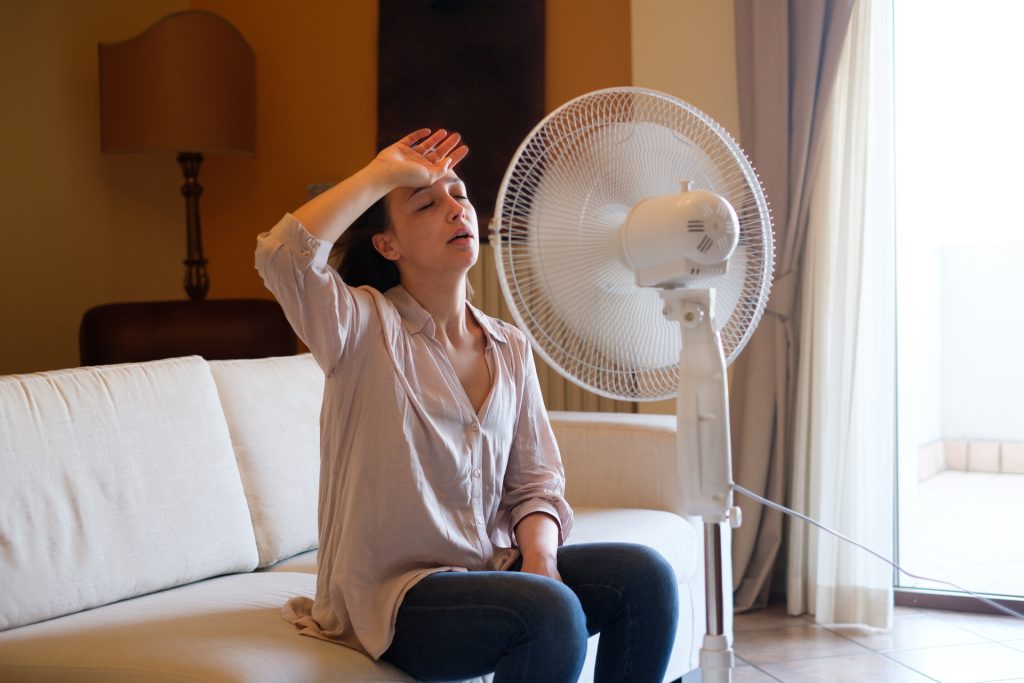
634	247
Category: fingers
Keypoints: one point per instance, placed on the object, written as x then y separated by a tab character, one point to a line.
447	145
458	155
439	145
427	144
441	150
412	138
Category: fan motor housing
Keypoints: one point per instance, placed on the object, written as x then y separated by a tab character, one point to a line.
675	239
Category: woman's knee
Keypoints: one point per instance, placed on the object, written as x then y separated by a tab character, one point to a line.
651	564
550	642
552	606
631	568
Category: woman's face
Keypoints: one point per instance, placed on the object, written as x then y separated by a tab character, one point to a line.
433	228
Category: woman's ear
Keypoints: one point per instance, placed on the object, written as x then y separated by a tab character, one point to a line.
384	243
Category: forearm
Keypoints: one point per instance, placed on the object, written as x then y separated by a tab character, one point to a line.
537	535
330	213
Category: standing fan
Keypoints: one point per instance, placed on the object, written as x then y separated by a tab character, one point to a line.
634	247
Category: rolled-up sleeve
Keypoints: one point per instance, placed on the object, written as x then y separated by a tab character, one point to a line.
325	313
535	478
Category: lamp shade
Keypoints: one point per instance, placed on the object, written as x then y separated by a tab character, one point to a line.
187	83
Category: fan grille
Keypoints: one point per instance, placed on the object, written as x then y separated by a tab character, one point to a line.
563	200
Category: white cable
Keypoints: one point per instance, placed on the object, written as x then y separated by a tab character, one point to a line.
784	509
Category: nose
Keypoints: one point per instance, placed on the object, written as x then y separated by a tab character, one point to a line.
456	211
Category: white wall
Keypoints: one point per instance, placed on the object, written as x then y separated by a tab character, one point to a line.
957	153
982	323
919	339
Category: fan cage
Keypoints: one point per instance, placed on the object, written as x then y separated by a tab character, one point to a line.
564	197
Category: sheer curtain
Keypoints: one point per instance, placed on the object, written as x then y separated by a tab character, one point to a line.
844	432
787	53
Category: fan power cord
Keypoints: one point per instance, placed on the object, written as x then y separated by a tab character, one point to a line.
794	513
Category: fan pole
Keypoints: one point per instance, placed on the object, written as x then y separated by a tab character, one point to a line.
705	461
716	656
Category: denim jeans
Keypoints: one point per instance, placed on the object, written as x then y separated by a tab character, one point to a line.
532	629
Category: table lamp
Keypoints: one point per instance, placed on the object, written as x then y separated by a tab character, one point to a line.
186	85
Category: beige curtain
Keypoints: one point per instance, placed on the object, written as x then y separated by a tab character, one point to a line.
786	58
845	428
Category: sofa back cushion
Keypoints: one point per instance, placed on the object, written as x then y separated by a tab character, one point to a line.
272	407
115	481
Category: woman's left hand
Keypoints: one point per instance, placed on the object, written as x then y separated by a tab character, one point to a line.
542	566
537	538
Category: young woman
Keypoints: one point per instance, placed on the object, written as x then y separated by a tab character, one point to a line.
441	508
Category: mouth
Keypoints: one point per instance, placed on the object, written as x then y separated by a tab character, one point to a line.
461	237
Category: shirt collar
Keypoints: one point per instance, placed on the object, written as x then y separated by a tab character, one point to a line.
416	319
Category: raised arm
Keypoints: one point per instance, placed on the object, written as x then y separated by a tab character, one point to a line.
417	160
291	258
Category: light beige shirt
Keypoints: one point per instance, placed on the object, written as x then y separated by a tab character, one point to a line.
412	480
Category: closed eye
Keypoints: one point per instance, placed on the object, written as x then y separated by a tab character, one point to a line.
426	206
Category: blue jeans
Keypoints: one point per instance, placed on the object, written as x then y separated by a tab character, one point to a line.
528	628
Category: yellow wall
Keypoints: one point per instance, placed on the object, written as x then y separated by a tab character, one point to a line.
81	228
78	228
317	107
687	48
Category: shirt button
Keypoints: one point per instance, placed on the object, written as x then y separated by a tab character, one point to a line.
476	426
476	473
306	253
479	520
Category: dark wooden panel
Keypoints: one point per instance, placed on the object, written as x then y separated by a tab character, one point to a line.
472	66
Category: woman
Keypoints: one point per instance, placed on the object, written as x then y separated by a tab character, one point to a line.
441	509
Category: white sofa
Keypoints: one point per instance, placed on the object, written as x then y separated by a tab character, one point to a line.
155	516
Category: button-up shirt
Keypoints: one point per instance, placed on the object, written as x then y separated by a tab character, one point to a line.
413	480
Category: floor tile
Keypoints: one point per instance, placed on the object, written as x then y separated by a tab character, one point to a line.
989	626
960	531
904	611
851	669
1015	644
792	642
976	663
749	674
773	617
913	631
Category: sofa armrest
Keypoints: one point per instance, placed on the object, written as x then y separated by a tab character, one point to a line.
619	460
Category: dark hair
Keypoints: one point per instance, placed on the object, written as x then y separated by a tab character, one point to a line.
357	260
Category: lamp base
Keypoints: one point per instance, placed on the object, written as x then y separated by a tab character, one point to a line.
197	280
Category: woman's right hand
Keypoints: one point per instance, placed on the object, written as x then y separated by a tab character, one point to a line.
417	160
420	158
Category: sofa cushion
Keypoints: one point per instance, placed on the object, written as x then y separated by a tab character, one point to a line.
117	481
272	406
619	460
225	629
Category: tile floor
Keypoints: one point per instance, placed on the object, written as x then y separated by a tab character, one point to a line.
975	542
922	646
